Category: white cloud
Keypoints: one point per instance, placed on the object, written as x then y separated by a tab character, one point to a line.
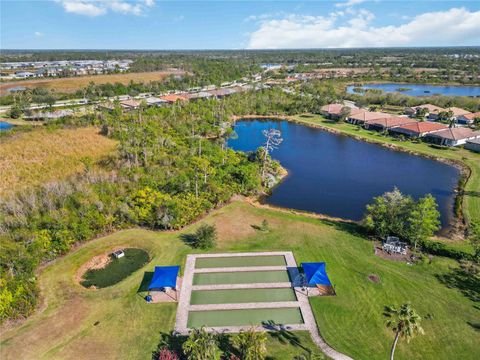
350	3
94	8
457	26
38	34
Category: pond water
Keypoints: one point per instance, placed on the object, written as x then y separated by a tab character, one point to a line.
338	176
117	269
5	126
422	89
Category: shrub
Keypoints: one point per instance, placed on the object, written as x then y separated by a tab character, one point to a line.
205	237
166	354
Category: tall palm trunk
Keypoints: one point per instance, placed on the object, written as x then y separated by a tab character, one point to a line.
392	352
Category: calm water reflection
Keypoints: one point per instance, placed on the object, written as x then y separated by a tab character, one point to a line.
338	176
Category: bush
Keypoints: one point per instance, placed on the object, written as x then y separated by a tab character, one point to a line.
205	237
166	354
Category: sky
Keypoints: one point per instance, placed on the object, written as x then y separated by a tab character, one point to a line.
179	24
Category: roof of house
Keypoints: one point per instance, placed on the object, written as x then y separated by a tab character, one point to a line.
368	115
423	127
471	116
173	97
430	107
458	111
221	92
199	95
154	100
459	133
337	109
130	103
391	121
474	141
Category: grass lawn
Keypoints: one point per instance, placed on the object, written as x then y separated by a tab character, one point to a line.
472	160
115	322
40	155
70	85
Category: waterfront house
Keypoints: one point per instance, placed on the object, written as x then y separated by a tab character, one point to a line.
457	112
386	123
417	129
334	111
430	109
359	117
452	136
467	119
473	145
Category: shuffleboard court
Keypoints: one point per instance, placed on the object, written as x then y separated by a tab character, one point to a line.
290	316
201	297
239	261
244	277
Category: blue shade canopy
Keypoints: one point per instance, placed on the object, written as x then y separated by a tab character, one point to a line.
164	276
316	273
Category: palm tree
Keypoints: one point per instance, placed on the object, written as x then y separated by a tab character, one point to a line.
404	321
251	344
200	345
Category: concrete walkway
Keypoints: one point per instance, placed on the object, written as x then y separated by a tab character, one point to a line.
181	323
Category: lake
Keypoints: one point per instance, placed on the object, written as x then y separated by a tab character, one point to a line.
338	176
5	126
420	89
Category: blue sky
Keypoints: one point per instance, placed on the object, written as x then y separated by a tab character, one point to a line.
156	24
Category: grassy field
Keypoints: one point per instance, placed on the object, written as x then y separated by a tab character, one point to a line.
68	85
115	322
42	155
472	160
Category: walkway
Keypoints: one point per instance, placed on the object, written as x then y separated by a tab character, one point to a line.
302	302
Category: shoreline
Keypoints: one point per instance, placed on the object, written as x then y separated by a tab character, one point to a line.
455	228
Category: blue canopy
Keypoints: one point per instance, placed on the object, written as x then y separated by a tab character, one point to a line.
316	273
164	276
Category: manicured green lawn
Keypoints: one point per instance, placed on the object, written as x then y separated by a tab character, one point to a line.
240	261
241	296
471	159
244	317
116	322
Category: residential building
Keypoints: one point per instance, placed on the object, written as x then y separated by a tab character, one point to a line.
173	98
417	129
468	119
386	123
431	109
452	136
333	111
130	104
473	145
155	101
199	95
359	118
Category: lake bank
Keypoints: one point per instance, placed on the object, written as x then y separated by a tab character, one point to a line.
347	187
417	89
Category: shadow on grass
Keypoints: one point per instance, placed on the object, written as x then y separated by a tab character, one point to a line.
170	342
351	228
468	284
188	239
283	335
147	278
475	326
471	193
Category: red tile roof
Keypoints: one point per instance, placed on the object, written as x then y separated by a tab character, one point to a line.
457	111
367	115
472	116
391	121
423	127
457	133
431	108
174	98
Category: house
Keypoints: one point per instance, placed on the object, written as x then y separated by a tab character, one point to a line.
155	101
24	74
431	109
452	136
130	104
473	145
417	129
199	95
173	98
359	117
220	93
458	112
468	119
334	111
386	123
107	105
